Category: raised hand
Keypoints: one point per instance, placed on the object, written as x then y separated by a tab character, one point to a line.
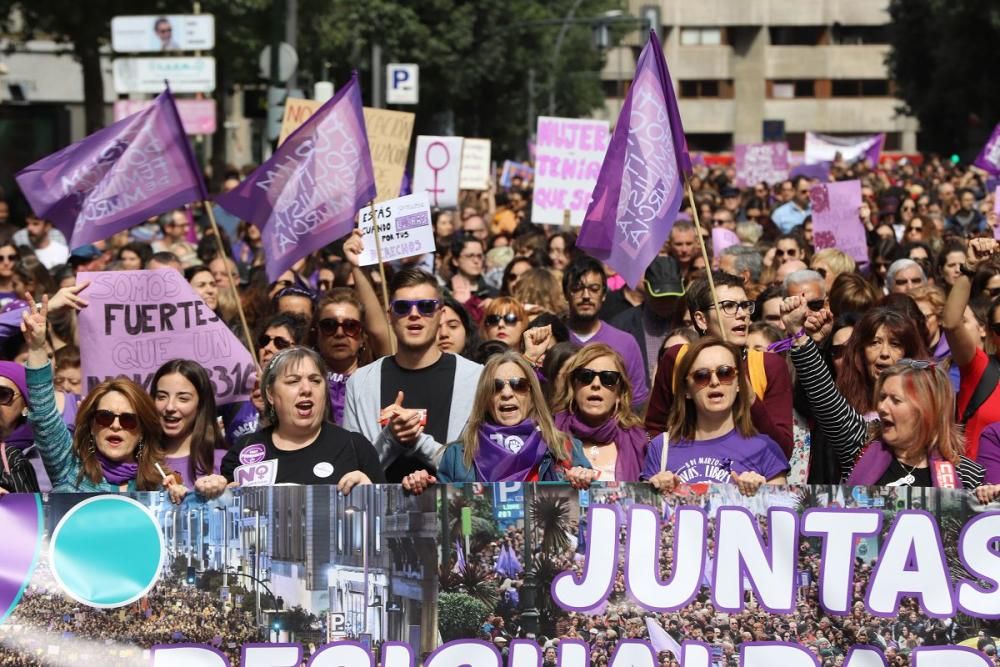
34	323
69	297
353	247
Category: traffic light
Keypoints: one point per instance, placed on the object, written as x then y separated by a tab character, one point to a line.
192	576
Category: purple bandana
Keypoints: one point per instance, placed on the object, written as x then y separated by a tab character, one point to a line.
338	390
508	453
631	443
117	472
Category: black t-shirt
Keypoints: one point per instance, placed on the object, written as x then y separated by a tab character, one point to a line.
895	471
334	453
429	388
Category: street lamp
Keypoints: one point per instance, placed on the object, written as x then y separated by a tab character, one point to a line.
351	510
225	546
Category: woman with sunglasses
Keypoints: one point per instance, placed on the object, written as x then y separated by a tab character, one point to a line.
510	435
193	444
117	442
593	403
505	320
710	436
9	257
338	334
300	443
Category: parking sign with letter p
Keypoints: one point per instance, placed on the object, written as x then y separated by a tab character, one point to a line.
402	82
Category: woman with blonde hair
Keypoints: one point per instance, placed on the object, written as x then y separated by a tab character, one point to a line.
541	292
830	263
510	435
505	319
593	402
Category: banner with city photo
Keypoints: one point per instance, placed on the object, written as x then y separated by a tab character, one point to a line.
501	574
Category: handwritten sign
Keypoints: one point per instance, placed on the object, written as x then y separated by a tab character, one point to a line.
138	320
389	135
475	164
761	162
437	168
569	153
404	227
835	218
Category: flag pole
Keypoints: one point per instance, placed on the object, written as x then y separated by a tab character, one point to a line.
232	286
381	273
704	254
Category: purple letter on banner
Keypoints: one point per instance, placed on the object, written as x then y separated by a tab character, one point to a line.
117	177
989	157
639	189
835	218
307	194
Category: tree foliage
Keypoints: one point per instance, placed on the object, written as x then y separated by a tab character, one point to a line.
944	62
460	615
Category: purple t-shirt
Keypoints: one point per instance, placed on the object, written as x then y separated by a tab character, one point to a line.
182	465
715	459
625	344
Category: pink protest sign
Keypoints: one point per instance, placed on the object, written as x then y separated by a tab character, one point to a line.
197	116
437	169
760	162
137	320
836	223
568	158
723	238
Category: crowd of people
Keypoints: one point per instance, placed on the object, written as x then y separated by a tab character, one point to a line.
46	625
510	355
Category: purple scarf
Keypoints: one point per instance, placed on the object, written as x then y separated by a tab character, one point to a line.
508	453
876	459
631	443
117	472
338	390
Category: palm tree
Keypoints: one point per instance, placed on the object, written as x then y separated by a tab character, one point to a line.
551	516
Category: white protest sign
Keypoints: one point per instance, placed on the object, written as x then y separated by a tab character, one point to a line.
437	168
405	228
568	158
475	164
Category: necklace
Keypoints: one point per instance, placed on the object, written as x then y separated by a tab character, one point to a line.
906	480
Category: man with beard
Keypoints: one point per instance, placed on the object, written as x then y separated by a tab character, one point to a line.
585	285
49	244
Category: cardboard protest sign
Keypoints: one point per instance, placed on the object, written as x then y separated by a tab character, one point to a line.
137	320
835	218
989	158
475	165
761	162
437	168
388	139
404	226
569	153
865	568
512	169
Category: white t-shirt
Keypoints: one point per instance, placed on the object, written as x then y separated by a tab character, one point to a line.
52	255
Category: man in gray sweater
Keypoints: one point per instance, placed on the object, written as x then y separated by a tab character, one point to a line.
412	404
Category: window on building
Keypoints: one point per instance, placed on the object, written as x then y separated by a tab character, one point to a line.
718	88
791	88
797	35
702	36
357	528
709	143
859	34
378	534
859	88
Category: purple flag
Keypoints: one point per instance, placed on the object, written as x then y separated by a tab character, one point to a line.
660	640
307	194
640	187
513	564
459	559
117	177
989	157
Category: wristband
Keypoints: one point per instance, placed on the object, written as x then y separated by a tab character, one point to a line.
786	344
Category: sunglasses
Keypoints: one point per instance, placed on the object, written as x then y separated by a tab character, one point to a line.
517	385
426	307
791	252
493	320
329	326
281	343
585	377
127	420
837	351
7	396
918	364
702	377
8	258
816	305
718	222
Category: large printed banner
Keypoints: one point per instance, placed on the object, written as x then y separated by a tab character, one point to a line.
505	574
823	148
138	320
569	152
756	163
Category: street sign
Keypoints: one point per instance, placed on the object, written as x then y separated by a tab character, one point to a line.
146	75
402	82
159	33
288	62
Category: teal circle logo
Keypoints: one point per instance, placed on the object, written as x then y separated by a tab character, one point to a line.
107	551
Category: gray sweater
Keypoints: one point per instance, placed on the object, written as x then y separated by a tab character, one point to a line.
362	407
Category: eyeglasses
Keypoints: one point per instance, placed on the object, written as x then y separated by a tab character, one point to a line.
702	377
281	343
585	376
731	307
837	351
7	396
352	328
815	305
127	420
478	256
9	258
517	385
493	320
593	288
426	307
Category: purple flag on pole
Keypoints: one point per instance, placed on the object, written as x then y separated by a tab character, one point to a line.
307	194
660	640
989	157
117	177
640	187
459	559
